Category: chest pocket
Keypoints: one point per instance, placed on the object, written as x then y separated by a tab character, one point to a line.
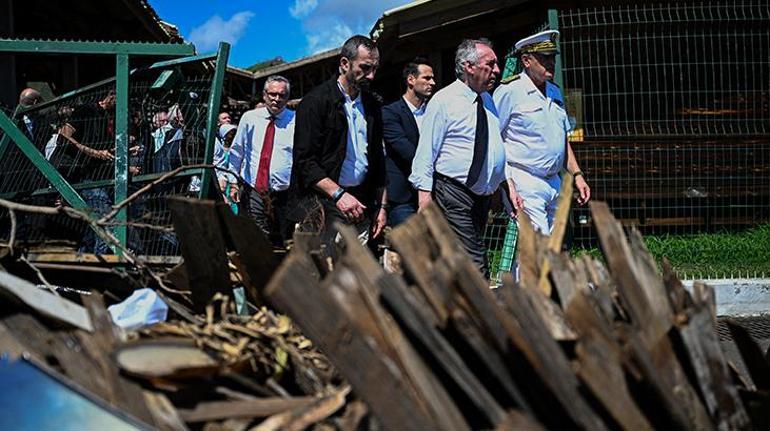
531	116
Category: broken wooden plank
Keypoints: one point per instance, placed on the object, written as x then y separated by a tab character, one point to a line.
712	375
295	290
181	358
55	308
254	250
560	222
752	356
256	408
203	247
599	363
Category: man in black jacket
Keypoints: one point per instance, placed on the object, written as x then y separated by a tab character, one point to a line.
339	165
401	123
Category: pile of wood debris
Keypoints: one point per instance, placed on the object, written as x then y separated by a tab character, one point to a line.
576	343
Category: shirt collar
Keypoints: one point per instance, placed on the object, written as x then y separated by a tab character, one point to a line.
464	90
347	97
415	110
527	81
267	113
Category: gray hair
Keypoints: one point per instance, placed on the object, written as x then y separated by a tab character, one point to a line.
467	53
278	78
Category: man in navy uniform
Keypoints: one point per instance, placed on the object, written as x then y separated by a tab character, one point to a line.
534	126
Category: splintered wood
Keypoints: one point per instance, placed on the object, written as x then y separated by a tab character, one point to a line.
574	344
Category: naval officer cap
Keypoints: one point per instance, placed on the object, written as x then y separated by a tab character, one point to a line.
540	43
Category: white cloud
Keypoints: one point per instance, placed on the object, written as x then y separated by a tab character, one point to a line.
330	22
328	38
302	8
207	36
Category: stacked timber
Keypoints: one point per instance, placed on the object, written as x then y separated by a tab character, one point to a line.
577	343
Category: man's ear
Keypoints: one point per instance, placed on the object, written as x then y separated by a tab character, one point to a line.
410	80
526	60
344	64
468	67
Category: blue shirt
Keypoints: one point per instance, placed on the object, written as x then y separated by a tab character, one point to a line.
447	141
533	127
355	165
247	147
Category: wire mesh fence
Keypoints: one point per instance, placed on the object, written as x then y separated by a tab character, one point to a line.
76	134
671	110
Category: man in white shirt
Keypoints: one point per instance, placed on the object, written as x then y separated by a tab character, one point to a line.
534	128
401	123
460	159
261	154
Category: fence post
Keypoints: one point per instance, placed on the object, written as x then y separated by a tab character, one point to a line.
553	24
215	98
49	172
121	146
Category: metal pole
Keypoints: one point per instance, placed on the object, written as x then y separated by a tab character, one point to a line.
6	139
215	99
44	166
121	144
553	23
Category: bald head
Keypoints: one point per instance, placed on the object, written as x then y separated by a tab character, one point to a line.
30	97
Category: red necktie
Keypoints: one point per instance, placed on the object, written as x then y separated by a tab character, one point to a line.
263	173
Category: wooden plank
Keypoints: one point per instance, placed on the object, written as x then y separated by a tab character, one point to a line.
549	363
598	363
626	274
712	375
411	313
302	417
752	356
254	250
561	219
550	313
256	408
411	240
373	376
53	307
122	393
163	412
369	274
198	228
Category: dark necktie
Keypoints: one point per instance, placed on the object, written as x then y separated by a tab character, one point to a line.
480	143
263	173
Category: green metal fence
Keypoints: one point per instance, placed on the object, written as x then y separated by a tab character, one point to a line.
93	147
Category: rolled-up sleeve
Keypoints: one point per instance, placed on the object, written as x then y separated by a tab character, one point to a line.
428	147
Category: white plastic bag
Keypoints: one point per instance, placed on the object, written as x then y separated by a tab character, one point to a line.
144	307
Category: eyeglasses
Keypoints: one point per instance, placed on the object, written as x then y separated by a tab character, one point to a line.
275	94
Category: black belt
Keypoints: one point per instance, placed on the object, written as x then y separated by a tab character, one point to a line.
454	182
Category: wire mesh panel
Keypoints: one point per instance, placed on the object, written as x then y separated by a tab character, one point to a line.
668	70
167	113
671	112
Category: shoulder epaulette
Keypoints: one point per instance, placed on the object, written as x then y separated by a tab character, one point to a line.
510	79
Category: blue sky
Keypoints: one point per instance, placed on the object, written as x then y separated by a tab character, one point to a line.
264	29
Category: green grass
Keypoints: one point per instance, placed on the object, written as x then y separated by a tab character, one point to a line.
716	255
745	254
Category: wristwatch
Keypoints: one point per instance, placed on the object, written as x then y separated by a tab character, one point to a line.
338	194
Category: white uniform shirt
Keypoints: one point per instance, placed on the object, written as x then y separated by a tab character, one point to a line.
534	128
247	147
356	161
447	141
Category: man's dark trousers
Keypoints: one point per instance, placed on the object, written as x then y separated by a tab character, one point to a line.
268	210
467	214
